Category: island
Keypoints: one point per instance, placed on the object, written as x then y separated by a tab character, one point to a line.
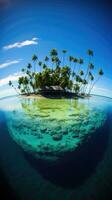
52	117
58	76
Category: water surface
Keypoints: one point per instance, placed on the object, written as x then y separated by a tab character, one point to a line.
53	148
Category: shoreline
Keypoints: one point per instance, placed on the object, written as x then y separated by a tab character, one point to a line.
55	96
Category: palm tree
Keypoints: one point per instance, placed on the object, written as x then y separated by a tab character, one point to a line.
81	72
77	78
85	83
28	72
65	71
25	83
90	54
58	69
34	59
80	61
10	84
75	61
53	52
70	59
91	79
46	59
73	74
60	75
29	66
64	52
23	69
53	61
57	61
91	66
76	88
40	64
44	66
100	73
21	84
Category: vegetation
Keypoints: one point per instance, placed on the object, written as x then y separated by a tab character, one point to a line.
67	72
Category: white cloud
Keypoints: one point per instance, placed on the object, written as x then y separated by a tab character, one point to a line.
5	93
33	41
12	77
102	91
8	63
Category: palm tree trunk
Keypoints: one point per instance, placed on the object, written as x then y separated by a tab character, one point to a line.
81	87
63	60
52	66
78	69
90	87
88	79
93	86
74	68
34	66
70	64
16	90
87	67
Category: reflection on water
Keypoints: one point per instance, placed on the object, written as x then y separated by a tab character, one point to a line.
61	144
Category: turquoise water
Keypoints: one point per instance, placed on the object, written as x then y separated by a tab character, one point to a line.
51	148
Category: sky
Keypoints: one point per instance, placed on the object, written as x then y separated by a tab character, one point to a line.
30	27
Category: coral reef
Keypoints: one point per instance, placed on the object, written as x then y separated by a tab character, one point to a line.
51	128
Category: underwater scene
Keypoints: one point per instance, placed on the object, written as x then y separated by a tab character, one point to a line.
56	148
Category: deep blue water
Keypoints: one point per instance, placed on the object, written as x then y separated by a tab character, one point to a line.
85	174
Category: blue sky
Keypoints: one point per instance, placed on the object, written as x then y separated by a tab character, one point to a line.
38	26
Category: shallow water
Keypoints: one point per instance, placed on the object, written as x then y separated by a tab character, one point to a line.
52	148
